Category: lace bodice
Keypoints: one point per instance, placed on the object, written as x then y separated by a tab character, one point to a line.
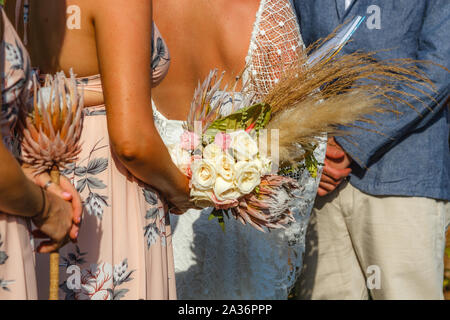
276	43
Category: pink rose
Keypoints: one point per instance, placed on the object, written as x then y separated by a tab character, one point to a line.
223	140
189	140
195	158
225	204
186	169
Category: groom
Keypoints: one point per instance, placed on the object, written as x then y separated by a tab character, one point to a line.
378	227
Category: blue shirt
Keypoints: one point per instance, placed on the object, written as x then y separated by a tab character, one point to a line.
411	157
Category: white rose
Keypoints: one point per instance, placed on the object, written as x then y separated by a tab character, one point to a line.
264	165
212	152
225	167
243	146
255	164
248	176
203	174
225	190
202	199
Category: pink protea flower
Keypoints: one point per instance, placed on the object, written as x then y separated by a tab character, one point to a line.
224	204
269	205
189	140
223	140
52	130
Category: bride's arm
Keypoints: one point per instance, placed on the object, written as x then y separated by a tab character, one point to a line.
123	36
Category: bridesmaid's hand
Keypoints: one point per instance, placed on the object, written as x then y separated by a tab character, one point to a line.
54	222
65	191
179	201
180	206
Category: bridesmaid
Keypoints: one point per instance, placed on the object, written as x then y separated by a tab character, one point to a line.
125	174
22	201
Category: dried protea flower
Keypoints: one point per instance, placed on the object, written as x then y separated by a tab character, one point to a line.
53	128
212	101
269	205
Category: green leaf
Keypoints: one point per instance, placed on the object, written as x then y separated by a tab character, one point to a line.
311	161
222	225
312	168
219	215
257	114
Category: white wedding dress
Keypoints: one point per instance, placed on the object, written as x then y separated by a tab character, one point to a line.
242	262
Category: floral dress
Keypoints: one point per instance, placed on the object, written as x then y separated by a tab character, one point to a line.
124	248
17	273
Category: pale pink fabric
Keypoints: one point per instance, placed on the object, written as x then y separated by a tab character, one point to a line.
124	249
17	274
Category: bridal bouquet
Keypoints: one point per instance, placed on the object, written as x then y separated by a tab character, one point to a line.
228	171
224	149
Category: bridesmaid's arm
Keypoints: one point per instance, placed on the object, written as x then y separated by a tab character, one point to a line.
123	36
18	195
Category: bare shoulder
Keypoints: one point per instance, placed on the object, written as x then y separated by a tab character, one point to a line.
119	9
60	35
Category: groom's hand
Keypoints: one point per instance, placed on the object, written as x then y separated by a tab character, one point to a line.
336	168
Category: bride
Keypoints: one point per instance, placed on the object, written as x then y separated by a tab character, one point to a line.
240	263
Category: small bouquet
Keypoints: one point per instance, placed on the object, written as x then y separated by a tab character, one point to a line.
52	129
51	137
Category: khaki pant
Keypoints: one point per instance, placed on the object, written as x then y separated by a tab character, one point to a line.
360	246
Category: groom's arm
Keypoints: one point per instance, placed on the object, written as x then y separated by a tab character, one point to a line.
366	146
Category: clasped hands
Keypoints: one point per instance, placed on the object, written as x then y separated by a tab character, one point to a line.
336	168
60	220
